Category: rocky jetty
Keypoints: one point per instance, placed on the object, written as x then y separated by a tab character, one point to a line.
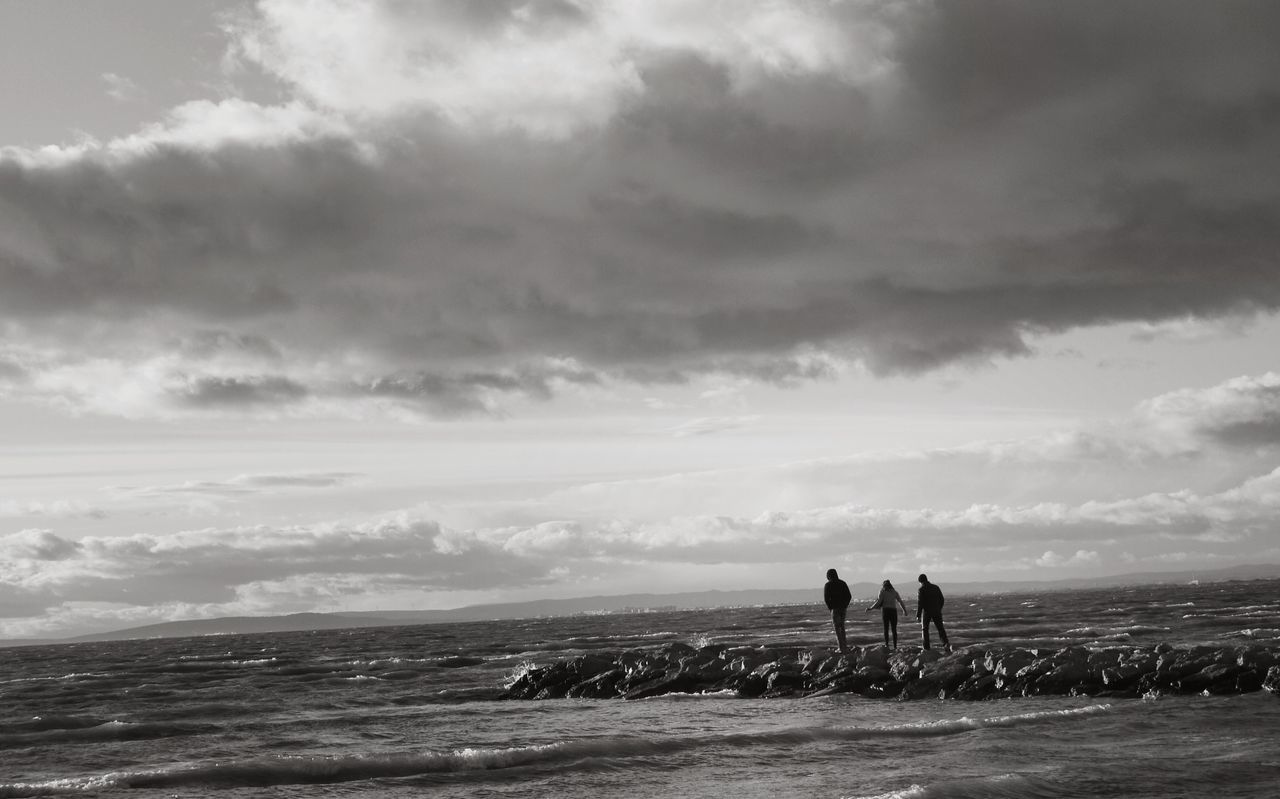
908	673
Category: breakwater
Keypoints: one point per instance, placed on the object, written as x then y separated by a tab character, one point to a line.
971	673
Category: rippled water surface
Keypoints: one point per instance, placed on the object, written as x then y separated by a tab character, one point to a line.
403	710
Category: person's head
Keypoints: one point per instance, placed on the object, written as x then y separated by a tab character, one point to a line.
924	578
888	585
831	574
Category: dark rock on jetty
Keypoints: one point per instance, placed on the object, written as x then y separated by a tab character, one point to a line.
908	673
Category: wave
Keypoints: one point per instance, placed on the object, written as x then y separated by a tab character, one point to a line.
300	770
999	786
108	731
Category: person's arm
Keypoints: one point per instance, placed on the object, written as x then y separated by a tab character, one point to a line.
903	604
919	603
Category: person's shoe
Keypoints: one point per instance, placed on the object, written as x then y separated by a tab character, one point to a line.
948	648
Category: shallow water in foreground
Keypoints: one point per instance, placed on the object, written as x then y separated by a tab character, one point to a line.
399	711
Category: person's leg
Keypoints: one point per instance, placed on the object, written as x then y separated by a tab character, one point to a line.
837	621
893	625
942	632
885	616
924	629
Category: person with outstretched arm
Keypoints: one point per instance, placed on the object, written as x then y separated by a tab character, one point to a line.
888	601
929	609
837	596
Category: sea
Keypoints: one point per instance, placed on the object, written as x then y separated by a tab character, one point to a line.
413	711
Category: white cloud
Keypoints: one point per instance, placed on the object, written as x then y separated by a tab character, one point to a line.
121	88
273	569
549	67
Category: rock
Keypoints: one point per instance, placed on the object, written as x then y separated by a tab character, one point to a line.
1257	659
782	683
670	683
1063	679
872	671
1249	681
940	678
752	686
976	687
1272	681
601	686
555	681
675	650
1120	677
885	689
1216	679
1012	662
876	657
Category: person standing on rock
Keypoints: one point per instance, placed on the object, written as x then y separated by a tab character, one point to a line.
889	602
929	609
837	596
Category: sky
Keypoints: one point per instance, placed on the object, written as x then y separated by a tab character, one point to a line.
324	305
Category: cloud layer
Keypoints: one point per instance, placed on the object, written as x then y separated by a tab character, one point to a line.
1035	508
657	191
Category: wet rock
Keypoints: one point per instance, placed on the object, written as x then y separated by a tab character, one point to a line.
675	650
1064	678
752	686
1122	676
976	687
1272	681
601	686
784	683
874	657
1248	681
1216	679
670	683
885	689
910	673
1259	660
941	677
1007	666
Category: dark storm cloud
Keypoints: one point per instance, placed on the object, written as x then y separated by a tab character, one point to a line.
1011	169
232	392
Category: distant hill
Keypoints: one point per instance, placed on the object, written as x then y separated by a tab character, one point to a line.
622	603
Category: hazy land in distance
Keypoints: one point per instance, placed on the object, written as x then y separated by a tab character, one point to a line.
232	625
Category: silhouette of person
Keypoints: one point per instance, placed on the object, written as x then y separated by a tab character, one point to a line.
929	609
888	601
836	595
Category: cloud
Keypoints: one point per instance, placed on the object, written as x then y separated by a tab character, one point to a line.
121	88
243	484
282	566
37	545
652	192
710	425
1242	412
62	509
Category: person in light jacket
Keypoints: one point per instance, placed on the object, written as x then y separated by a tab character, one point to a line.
888	601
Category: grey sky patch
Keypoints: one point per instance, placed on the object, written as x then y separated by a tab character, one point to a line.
11	371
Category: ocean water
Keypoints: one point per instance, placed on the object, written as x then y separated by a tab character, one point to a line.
413	711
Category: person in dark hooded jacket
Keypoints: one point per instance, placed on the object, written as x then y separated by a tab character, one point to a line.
836	595
929	609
